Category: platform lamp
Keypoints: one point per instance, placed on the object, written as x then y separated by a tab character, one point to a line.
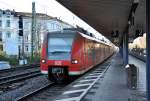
115	33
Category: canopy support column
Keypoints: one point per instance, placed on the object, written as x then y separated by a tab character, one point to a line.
125	48
148	48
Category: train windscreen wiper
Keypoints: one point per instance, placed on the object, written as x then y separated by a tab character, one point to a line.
55	52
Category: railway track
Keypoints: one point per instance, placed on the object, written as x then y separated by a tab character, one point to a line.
47	92
16	70
19	68
26	96
19	77
140	57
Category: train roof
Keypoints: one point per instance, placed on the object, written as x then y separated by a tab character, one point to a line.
83	33
94	39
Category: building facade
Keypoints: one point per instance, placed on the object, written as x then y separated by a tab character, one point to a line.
7	30
13	44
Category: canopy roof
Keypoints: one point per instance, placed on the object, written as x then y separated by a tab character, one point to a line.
109	15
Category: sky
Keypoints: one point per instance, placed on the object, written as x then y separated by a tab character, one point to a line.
50	7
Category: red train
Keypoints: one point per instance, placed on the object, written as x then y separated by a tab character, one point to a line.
71	52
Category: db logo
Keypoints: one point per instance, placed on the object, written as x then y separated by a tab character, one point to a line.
58	63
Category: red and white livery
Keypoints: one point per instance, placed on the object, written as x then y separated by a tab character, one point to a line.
70	52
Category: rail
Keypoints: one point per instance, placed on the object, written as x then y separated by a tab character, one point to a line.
34	92
19	77
19	68
137	55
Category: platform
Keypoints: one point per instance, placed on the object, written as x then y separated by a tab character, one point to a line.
140	93
113	86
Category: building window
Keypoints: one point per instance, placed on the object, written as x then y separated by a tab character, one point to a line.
8	34
52	26
0	23
26	38
26	25
8	16
0	36
19	39
59	27
8	23
26	48
1	47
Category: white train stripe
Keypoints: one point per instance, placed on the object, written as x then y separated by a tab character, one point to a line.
44	72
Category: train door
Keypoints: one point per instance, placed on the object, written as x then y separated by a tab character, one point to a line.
103	52
85	54
93	52
99	52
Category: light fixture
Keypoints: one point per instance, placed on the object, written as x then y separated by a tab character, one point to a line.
43	61
74	61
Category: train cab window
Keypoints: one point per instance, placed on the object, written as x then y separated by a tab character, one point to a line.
59	47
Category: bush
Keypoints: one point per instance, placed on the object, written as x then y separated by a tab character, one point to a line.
34	60
13	60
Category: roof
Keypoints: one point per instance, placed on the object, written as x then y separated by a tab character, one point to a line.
108	15
40	15
27	14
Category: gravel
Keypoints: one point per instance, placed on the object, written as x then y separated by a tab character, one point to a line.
28	86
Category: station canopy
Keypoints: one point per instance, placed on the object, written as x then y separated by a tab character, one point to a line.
107	16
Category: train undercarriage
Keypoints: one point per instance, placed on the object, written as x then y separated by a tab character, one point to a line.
58	74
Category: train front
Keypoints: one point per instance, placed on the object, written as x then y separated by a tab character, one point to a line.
56	55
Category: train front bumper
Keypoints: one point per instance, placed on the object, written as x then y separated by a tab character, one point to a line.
73	69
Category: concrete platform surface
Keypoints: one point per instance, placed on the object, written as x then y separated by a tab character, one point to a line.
113	86
142	72
140	93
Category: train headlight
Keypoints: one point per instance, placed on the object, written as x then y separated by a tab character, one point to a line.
43	61
74	61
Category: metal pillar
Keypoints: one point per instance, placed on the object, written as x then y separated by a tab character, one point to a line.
148	48
125	48
126	51
33	30
23	58
121	50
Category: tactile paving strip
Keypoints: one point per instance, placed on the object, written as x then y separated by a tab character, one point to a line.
81	87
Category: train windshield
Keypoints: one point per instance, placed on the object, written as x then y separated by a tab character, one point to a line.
59	47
